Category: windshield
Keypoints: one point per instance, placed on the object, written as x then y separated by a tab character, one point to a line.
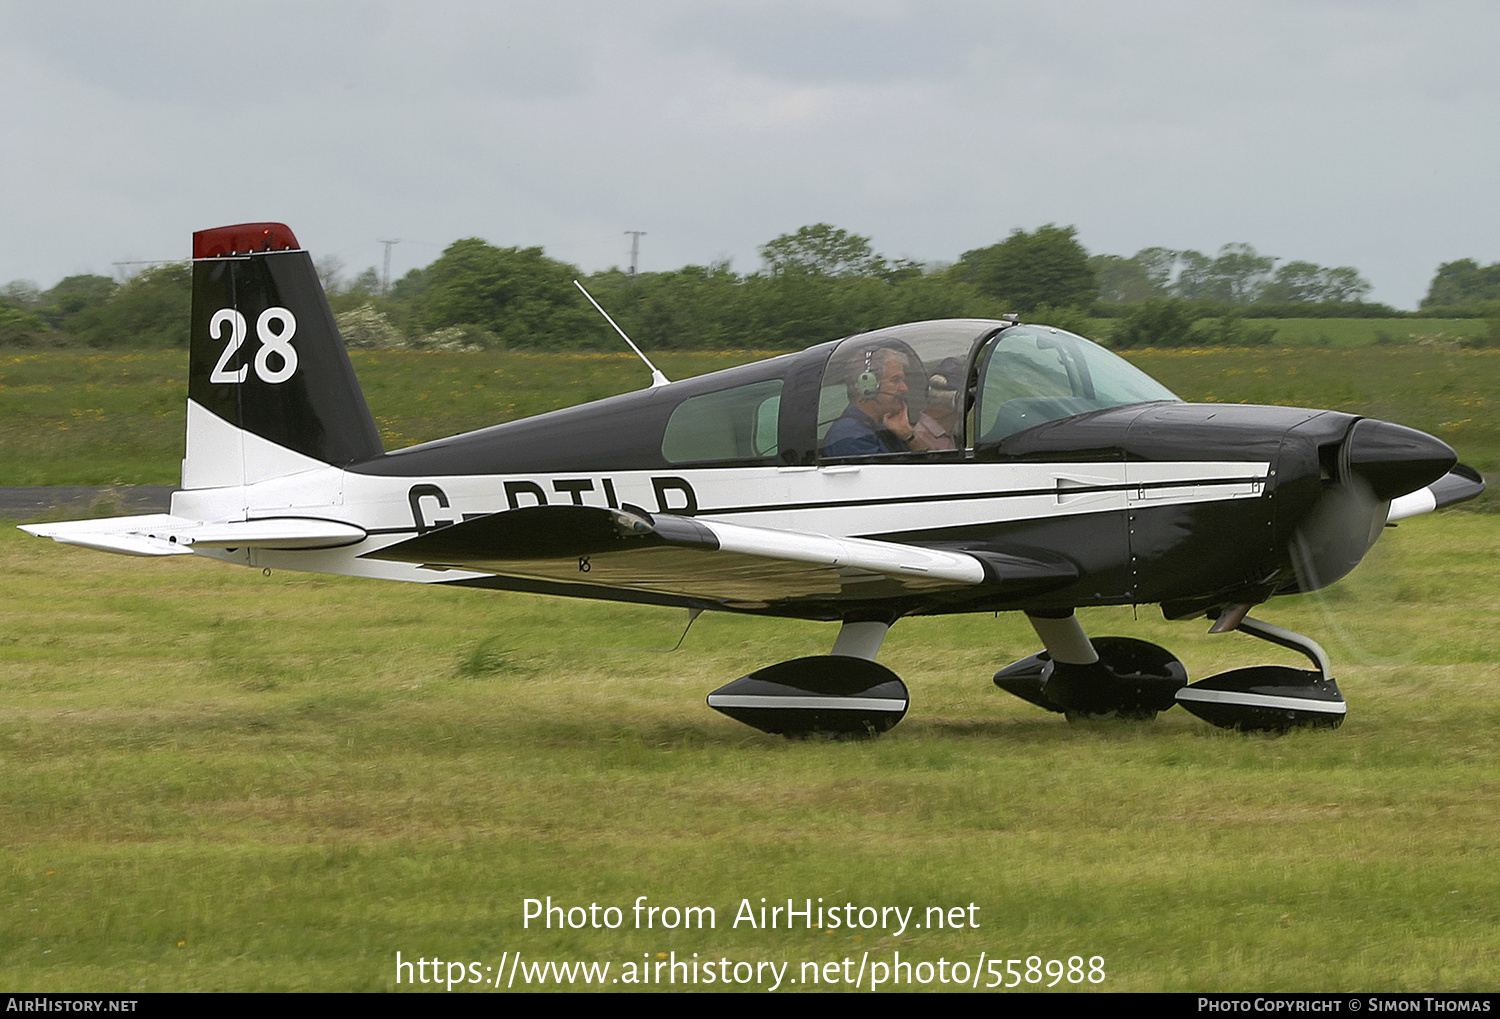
1036	374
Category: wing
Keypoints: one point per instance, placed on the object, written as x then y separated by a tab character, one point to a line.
711	561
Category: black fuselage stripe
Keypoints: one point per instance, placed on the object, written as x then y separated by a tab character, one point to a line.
787	507
1026	493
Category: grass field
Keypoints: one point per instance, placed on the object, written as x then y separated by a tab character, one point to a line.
1350	332
1359	332
215	780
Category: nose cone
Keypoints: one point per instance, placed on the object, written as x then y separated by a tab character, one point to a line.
1394	459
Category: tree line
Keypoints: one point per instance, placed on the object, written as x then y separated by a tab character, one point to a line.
817	283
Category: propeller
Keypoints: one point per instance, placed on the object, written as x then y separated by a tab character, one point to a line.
1342	526
1377	462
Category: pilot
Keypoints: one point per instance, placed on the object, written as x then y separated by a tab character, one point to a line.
934	429
877	419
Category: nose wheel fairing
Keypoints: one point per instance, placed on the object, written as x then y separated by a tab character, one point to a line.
1270	698
1266	698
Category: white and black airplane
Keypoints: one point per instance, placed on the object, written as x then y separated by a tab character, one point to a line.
950	466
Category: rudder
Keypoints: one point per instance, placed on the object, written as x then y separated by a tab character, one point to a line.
270	387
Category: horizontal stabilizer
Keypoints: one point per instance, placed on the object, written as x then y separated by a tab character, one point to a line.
125	535
157	534
733	564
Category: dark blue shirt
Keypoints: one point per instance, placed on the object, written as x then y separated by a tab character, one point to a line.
855	433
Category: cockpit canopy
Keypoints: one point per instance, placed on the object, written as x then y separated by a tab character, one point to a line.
968	383
961	386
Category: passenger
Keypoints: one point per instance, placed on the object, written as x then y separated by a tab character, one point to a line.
877	419
934	429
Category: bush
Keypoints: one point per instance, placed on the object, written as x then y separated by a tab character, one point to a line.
149	311
1322	309
1155	322
365	328
1074	320
21	328
1489	338
466	338
1232	330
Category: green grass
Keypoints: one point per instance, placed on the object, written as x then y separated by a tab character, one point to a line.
215	780
103	418
73	417
1438	333
1360	332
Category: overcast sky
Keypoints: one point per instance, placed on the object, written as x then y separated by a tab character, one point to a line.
1343	132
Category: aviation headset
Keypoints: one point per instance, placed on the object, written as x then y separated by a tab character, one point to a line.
867	383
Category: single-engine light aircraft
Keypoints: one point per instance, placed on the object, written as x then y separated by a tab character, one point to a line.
950	466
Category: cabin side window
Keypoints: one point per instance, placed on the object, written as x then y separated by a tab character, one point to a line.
732	424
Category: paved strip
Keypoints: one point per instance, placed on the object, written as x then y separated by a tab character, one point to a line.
24	503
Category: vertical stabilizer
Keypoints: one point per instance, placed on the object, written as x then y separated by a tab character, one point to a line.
270	388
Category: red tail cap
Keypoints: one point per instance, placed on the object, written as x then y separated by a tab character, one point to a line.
243	238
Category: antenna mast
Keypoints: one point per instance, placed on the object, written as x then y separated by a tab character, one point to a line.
657	378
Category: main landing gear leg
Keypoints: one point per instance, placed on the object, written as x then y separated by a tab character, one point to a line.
1112	677
1064	639
1268	698
842	694
860	639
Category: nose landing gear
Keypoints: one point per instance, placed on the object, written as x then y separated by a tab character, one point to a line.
1269	698
1124	678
